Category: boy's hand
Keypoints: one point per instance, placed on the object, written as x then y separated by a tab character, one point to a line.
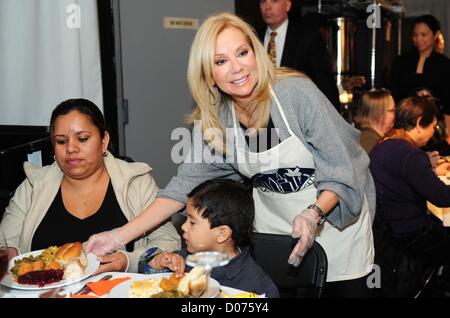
172	261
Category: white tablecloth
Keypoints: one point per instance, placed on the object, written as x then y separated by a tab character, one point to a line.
441	213
7	292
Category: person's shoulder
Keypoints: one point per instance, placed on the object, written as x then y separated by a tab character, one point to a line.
369	135
36	173
396	143
301	26
249	262
296	88
125	167
397	146
299	81
441	58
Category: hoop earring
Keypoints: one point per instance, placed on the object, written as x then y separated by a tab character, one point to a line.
54	157
105	154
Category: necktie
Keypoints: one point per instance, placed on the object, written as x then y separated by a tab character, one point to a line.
271	50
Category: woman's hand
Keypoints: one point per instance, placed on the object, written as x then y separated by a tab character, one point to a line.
116	262
104	243
434	158
442	169
172	261
304	227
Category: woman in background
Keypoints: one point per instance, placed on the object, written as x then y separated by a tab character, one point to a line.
375	117
423	71
405	181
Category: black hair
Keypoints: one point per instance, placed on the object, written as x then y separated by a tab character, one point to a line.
430	21
412	108
83	106
226	202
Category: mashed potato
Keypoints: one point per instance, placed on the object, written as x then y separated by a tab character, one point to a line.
144	288
73	272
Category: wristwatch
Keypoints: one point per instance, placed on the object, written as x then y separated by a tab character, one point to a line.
322	215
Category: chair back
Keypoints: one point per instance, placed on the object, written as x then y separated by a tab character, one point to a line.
271	252
402	274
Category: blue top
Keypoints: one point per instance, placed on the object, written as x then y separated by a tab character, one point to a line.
404	181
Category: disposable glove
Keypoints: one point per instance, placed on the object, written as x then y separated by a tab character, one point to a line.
104	243
304	228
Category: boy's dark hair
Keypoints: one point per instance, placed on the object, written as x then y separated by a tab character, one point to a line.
226	202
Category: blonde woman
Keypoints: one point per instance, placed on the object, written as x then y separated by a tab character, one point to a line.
311	180
376	117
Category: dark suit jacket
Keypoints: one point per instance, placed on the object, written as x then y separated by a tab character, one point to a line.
305	51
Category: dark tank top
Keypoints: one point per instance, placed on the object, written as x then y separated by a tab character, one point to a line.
59	226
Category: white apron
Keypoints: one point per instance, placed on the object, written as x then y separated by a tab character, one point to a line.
283	179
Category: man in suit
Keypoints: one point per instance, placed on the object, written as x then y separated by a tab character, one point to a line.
298	46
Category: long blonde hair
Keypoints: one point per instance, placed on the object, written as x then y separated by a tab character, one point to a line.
207	95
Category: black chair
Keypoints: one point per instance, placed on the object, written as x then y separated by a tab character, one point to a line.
402	275
271	252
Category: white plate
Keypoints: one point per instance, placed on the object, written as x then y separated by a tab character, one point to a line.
93	264
122	290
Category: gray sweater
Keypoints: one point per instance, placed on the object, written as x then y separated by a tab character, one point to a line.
341	164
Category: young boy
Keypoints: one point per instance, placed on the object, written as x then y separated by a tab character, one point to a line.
220	216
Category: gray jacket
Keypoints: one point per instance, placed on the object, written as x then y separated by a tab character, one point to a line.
341	164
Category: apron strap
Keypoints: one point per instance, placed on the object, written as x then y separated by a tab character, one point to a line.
235	119
281	111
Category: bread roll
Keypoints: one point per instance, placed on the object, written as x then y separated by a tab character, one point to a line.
68	252
197	285
193	283
72	259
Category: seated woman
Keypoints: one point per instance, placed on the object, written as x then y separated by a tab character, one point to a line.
375	117
405	181
86	190
423	70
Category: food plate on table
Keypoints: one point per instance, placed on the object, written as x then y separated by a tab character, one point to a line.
10	281
124	290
